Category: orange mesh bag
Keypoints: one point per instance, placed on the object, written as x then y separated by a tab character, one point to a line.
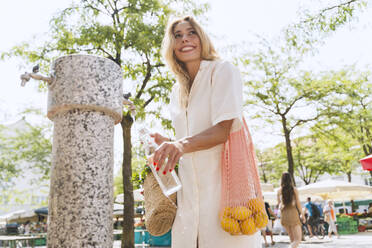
242	210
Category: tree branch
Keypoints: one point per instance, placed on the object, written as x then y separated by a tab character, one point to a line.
293	103
147	78
338	6
299	122
148	101
158	65
321	13
107	53
89	5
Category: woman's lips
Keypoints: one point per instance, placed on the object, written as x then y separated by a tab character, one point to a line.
187	48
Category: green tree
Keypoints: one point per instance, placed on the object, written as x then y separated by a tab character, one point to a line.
319	20
342	135
25	146
274	82
261	159
280	96
129	33
138	176
8	169
342	150
272	163
312	158
349	112
24	149
33	146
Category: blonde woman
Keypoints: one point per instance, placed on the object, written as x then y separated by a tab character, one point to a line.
206	103
290	209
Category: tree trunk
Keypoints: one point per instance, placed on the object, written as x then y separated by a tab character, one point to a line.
353	206
263	174
288	147
348	176
127	240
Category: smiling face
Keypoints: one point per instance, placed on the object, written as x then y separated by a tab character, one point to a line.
187	47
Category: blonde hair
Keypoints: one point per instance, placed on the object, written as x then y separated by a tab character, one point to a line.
177	67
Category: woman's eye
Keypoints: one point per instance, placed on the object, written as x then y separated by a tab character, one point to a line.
192	32
177	36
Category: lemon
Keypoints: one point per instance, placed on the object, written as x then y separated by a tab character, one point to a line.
260	219
227	212
240	213
256	205
248	227
230	225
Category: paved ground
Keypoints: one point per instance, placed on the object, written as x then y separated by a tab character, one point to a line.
360	240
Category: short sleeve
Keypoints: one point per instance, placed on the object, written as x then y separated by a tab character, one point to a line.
227	93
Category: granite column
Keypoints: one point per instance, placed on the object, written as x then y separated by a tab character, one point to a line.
84	102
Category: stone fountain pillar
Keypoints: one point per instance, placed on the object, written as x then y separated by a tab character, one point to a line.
84	102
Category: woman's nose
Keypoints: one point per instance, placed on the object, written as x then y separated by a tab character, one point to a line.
185	38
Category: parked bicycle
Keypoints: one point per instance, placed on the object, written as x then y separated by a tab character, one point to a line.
317	227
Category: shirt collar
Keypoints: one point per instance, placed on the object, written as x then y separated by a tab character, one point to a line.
204	64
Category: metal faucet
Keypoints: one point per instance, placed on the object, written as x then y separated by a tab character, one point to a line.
34	74
126	101
49	80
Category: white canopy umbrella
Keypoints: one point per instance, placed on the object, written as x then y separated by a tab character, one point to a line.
25	214
118	209
136	194
4	218
267	187
336	190
270	197
16	215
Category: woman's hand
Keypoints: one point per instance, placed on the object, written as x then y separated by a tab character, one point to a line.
172	151
303	218
158	138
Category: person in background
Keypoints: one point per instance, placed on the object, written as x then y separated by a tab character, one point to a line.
27	228
320	208
140	223
21	229
276	211
310	218
365	212
45	227
370	208
38	227
330	218
271	215
291	211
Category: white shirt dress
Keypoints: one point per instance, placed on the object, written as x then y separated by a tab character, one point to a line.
215	96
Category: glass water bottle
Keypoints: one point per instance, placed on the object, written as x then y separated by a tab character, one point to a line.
169	183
